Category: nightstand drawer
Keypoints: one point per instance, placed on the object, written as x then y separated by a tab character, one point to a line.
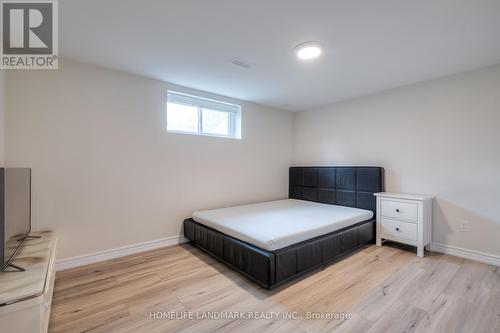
400	210
399	229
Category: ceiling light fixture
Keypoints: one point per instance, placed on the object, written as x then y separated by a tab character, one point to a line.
308	50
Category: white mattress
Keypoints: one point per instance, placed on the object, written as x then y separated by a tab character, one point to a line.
276	224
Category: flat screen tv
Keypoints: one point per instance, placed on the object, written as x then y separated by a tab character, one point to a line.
15	212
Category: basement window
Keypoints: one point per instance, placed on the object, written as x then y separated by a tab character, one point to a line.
187	114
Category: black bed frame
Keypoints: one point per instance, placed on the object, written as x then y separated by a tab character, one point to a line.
345	186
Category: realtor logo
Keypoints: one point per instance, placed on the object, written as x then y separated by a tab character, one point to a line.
29	34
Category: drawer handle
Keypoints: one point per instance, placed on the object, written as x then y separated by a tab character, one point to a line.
397	210
397	229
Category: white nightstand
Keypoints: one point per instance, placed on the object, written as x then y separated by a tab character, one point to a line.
404	218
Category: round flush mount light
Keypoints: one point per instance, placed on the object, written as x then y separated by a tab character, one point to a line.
308	50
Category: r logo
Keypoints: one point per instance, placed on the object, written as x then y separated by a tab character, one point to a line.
27	28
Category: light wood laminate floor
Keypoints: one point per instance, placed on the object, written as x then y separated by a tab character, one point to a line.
384	289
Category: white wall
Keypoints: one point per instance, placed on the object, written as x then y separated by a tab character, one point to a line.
2	116
107	174
440	137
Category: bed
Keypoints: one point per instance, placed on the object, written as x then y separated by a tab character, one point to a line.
329	214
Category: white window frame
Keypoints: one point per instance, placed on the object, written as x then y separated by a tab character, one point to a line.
233	111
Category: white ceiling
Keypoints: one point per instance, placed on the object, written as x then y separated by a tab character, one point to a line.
369	45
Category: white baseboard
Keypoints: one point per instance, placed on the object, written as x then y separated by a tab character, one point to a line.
123	251
486	258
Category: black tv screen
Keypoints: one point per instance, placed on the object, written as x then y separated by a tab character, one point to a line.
15	211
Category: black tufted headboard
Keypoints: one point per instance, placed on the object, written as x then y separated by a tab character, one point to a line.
344	186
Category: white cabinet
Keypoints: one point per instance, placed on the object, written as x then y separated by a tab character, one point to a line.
26	297
404	218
